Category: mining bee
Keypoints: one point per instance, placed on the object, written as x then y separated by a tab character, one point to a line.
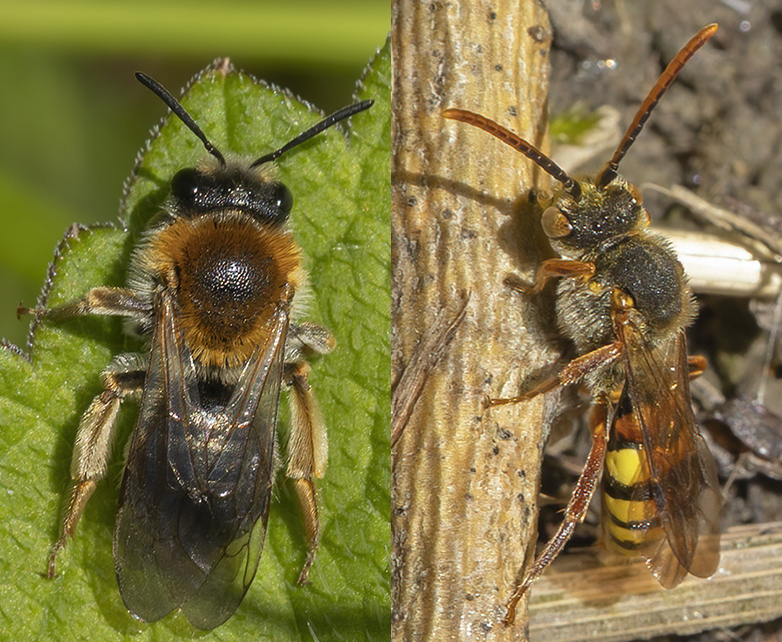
211	287
624	302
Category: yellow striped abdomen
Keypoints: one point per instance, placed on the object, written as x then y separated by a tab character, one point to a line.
630	517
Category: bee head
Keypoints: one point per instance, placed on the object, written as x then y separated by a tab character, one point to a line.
588	212
599	214
233	185
197	190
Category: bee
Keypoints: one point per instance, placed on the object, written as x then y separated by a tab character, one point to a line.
624	302
211	287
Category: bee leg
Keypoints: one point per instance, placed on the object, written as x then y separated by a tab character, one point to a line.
122	378
576	509
696	364
571	374
103	301
554	268
305	491
307	453
308	336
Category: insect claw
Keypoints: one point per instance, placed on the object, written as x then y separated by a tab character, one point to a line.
517	285
305	570
51	571
503	401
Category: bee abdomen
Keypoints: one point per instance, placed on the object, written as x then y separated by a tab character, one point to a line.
630	517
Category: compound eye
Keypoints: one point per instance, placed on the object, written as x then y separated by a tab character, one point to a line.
636	194
555	223
184	185
282	201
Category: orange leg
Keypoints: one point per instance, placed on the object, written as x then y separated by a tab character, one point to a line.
576	509
567	268
572	373
552	269
697	364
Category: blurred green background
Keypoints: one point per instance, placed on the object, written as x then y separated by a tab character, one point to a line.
73	117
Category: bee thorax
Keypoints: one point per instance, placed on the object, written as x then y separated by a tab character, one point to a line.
229	275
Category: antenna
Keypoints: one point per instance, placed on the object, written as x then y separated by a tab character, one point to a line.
175	107
519	144
663	82
328	121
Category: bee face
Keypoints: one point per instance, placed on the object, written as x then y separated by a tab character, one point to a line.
196	191
578	228
211	286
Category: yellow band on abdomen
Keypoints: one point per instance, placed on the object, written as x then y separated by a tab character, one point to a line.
627	466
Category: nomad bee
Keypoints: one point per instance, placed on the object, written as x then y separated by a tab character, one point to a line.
211	287
624	302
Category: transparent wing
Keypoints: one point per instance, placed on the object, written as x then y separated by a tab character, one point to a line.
195	495
683	477
242	477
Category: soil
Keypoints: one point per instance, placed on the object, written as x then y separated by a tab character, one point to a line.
717	129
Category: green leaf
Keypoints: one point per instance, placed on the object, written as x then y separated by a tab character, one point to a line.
341	219
571	126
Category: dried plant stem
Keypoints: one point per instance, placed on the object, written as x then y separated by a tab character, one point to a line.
465	479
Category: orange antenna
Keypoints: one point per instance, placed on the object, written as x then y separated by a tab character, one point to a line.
520	145
663	82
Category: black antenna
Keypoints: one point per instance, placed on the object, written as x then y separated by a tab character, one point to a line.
570	185
327	122
175	107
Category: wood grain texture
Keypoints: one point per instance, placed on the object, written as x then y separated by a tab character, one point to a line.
465	479
579	599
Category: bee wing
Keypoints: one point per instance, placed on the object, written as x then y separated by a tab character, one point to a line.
241	477
195	495
683	476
